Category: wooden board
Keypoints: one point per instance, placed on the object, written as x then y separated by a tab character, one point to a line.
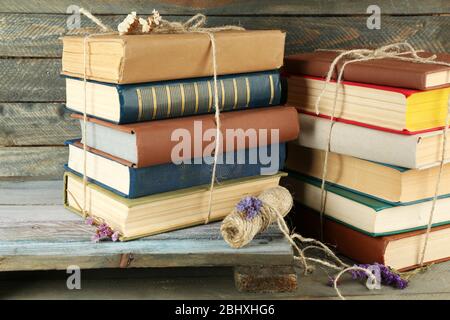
31	80
44	162
37	234
34	124
31	35
230	7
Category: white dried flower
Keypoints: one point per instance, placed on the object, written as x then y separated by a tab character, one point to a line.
156	17
146	27
123	27
129	24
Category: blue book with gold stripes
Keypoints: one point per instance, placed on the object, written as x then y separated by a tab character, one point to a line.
120	177
131	103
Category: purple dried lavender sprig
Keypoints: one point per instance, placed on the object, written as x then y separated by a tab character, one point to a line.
250	206
104	232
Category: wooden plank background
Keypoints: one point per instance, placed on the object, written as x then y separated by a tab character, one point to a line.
33	122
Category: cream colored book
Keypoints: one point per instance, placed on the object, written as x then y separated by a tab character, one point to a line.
135	218
389	183
365	214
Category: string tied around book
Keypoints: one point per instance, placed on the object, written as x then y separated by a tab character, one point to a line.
155	24
401	51
253	215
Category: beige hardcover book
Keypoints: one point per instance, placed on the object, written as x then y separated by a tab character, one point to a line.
157	57
135	218
391	183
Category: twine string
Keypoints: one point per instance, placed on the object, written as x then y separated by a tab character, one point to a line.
195	24
237	230
443	147
402	51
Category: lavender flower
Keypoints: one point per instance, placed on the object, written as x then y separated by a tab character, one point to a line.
90	221
104	232
115	236
388	276
250	206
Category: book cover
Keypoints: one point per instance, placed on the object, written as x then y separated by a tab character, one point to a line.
386	72
154	142
156	57
170	99
170	177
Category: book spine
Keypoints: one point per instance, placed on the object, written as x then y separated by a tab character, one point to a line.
170	99
170	177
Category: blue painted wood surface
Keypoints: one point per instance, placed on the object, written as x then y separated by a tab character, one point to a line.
36	232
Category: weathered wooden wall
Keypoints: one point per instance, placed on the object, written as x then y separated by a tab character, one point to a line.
33	123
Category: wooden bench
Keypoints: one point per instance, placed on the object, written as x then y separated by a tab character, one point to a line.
37	233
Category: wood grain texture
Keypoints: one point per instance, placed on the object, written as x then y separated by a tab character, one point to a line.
34	124
36	80
44	237
12	194
265	279
230	7
31	35
32	79
45	162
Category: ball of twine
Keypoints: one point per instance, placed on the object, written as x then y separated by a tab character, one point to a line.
238	230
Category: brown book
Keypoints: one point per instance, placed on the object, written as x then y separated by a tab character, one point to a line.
151	143
156	57
386	72
399	251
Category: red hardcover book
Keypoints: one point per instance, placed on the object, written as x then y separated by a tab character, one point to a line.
151	143
399	251
386	72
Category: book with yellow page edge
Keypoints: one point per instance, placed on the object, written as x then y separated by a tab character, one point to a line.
391	109
134	218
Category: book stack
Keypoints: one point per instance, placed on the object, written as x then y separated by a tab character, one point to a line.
383	164
149	134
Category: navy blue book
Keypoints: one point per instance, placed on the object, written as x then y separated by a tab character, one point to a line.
131	103
122	178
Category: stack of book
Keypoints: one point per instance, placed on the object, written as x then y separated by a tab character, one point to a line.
385	151
150	127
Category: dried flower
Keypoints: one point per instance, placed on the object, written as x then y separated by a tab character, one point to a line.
115	236
146	27
103	232
129	25
388	276
156	17
90	221
250	206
